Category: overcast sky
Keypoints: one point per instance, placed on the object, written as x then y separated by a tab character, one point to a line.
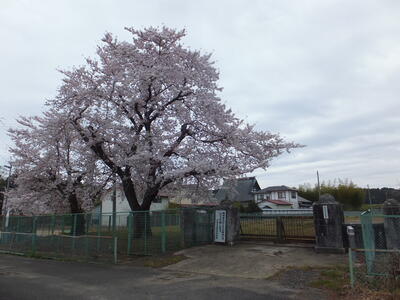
322	73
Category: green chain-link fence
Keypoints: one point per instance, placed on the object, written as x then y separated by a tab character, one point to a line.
96	237
375	269
376	265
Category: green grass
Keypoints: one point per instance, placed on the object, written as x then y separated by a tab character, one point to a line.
365	207
334	279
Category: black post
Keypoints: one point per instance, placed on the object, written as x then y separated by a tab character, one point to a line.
328	221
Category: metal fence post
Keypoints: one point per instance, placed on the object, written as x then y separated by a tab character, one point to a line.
145	233
53	221
98	231
16	238
163	233
62	232
115	249
211	227
87	246
74	232
87	234
368	235
351	267
133	224
114	223
130	217
181	229
87	222
279	228
34	236
62	225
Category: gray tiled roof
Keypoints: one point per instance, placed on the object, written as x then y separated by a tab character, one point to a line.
301	199
276	188
241	191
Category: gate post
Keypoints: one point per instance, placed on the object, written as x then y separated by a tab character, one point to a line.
226	223
328	221
391	207
280	233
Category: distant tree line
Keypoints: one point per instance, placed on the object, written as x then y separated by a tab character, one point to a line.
378	196
345	192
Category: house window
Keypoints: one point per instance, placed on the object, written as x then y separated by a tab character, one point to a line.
293	195
259	196
281	195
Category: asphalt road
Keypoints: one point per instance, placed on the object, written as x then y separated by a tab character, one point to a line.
26	278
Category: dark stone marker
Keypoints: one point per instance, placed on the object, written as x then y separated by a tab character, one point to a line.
391	207
232	231
328	221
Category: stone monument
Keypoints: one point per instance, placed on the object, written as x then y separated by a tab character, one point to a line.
226	223
328	220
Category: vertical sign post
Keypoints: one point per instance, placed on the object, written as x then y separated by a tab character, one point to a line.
220	226
325	212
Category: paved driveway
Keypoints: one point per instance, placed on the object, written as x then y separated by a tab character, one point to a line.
26	278
252	260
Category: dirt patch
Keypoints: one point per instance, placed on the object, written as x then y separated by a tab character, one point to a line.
334	280
158	261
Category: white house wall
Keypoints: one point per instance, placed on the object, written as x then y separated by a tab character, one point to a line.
287	197
122	207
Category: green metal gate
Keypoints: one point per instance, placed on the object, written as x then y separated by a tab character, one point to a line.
279	228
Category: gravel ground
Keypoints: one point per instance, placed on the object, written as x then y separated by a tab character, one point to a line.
297	279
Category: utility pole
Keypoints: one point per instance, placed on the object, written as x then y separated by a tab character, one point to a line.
114	206
7	189
319	186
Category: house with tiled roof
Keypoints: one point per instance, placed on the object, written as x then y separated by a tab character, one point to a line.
240	190
277	197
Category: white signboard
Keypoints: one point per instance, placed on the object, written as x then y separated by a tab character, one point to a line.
220	226
325	211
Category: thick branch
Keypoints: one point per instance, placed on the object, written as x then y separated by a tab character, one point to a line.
97	148
184	132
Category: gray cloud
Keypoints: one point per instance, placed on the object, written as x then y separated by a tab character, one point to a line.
322	73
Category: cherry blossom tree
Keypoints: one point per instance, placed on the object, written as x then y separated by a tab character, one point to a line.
54	173
150	111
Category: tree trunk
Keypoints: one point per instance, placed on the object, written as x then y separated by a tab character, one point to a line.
141	213
1	203
78	222
130	193
142	225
